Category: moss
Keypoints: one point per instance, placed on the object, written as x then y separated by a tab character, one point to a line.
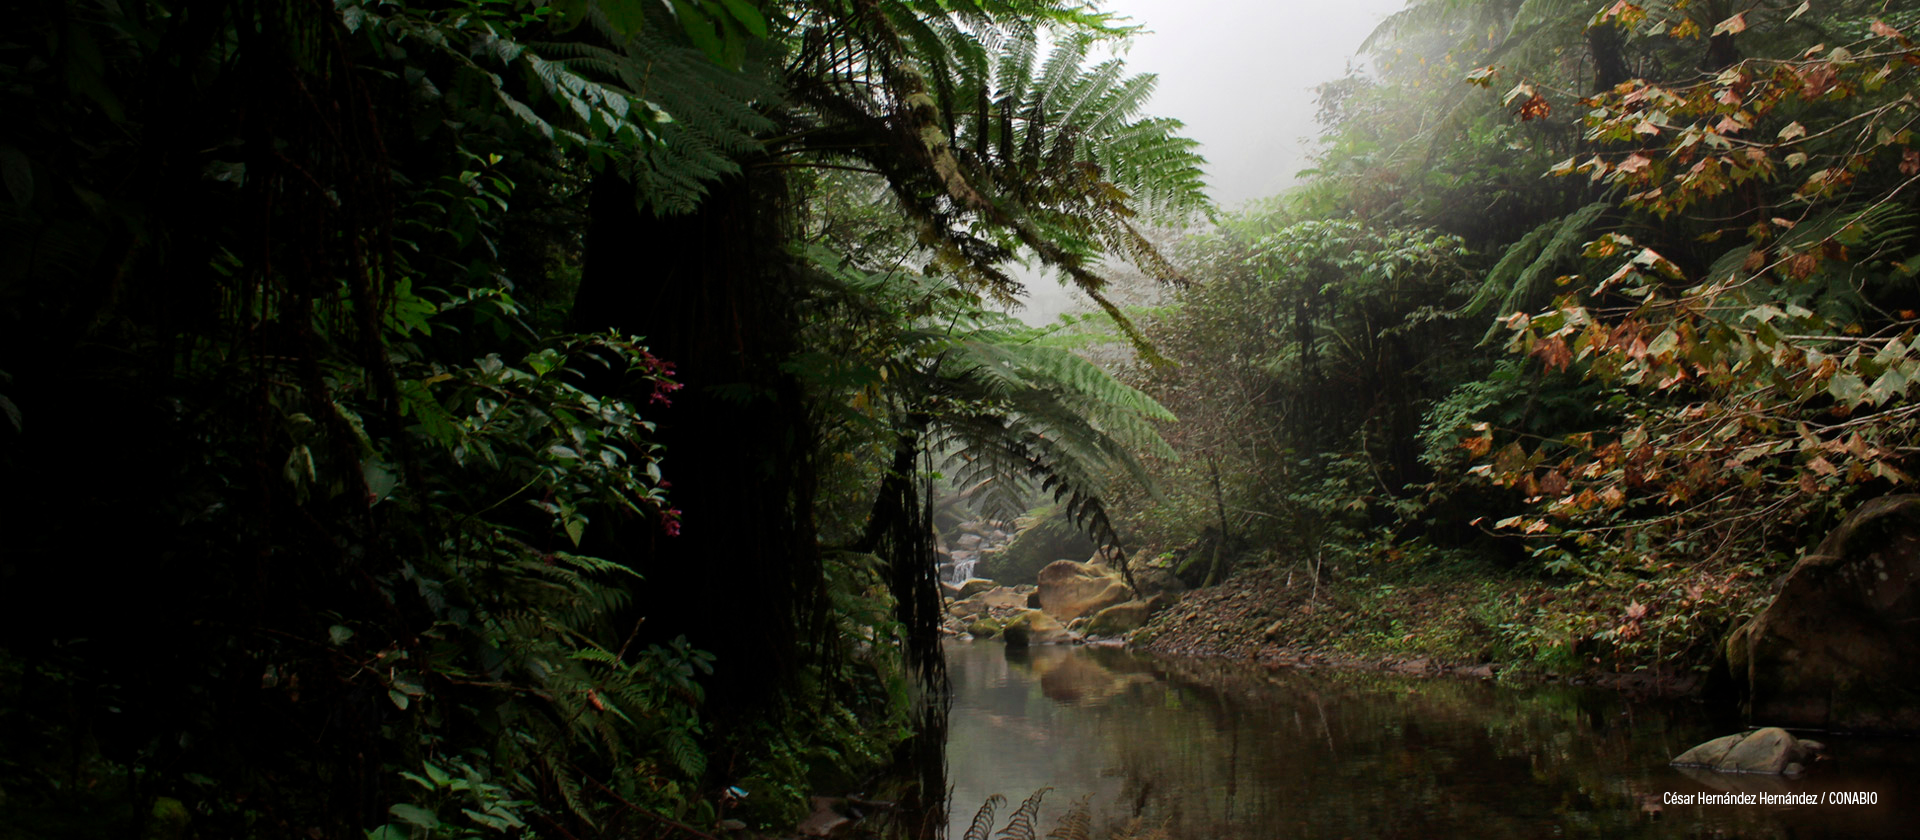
1051	537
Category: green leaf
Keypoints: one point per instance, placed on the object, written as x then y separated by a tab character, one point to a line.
380	480
415	815
398	699
339	634
748	16
627	17
388	832
699	29
1846	388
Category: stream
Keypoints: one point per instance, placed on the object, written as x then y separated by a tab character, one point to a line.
1209	749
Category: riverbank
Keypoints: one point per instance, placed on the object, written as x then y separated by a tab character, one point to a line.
1468	625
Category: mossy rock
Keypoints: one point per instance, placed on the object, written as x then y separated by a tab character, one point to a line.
985	628
974	586
1836	648
1120	618
1050	537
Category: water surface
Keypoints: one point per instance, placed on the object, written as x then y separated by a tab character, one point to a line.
1205	749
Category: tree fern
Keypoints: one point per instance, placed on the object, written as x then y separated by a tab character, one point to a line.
1514	281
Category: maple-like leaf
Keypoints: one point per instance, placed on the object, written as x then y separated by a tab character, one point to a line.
1732	26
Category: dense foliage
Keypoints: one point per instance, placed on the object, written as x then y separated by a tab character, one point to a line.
496	419
1660	278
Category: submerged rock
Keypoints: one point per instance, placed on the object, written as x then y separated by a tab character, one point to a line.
984	628
1771	750
1034	627
1837	648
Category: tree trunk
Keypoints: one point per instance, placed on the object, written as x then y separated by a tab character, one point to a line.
711	293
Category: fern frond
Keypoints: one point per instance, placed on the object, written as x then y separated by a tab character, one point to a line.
983	819
1077	824
1021	826
1515	280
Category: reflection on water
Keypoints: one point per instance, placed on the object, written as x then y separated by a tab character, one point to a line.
1217	750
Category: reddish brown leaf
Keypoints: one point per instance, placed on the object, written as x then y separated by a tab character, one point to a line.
1553	353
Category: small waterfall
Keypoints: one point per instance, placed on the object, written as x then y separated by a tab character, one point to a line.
963	569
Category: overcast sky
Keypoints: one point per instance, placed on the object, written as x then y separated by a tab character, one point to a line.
1241	74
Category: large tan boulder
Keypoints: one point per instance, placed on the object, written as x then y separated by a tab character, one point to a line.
1839	647
1069	590
997	599
1771	750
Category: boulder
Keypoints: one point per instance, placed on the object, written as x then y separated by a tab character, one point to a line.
1046	536
968	542
1771	750
1839	647
974	586
985	628
1034	627
1120	618
1069	590
1000	598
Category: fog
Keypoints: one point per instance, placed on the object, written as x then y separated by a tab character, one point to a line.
1241	75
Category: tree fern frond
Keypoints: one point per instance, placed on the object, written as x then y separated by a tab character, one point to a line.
1077	824
1021	826
1515	278
983	819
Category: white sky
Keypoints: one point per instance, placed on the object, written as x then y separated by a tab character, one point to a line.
1241	74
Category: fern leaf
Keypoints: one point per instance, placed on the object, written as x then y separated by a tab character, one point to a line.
1021	826
1077	824
982	824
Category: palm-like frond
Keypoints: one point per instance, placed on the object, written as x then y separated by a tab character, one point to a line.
989	151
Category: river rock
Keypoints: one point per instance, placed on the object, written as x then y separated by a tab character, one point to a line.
1046	536
1069	590
968	542
999	598
974	586
1771	750
985	628
1034	627
1839	647
1120	618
